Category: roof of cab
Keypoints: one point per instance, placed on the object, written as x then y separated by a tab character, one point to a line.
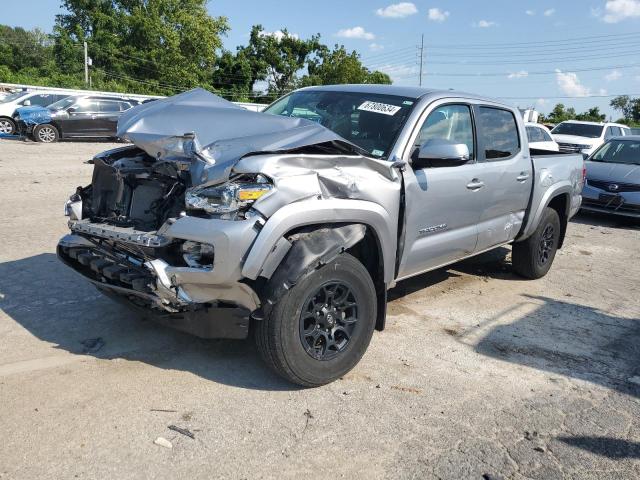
401	91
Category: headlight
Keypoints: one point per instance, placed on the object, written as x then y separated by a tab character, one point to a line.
227	199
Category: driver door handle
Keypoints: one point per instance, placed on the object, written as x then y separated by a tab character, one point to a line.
475	184
522	177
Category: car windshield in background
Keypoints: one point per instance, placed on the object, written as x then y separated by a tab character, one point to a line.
13	96
61	104
618	151
370	121
578	129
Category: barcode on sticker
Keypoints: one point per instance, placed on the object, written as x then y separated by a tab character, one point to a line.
376	107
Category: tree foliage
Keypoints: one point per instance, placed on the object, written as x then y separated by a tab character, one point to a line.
331	67
560	114
629	107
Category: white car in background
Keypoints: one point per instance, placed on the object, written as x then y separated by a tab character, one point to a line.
540	137
575	136
24	98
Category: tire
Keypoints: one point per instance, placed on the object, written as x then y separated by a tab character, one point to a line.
46	133
532	258
312	349
7	126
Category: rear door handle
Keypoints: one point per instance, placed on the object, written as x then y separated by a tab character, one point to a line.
524	176
475	184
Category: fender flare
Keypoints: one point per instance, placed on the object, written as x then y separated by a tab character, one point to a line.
321	212
560	188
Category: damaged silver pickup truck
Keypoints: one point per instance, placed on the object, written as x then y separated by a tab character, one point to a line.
294	223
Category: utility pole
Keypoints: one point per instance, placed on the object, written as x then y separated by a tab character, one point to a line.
86	64
421	58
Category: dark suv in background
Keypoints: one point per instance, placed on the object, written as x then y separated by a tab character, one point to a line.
77	116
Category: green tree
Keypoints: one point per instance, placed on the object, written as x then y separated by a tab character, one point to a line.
629	107
278	57
332	67
592	115
169	45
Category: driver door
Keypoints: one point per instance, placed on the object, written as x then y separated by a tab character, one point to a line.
443	203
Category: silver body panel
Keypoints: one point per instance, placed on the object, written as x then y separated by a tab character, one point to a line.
444	220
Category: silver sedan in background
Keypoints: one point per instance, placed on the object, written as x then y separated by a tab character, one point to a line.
613	178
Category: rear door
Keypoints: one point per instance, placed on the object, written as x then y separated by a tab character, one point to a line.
110	111
442	202
506	169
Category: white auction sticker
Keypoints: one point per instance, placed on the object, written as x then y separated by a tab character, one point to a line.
376	107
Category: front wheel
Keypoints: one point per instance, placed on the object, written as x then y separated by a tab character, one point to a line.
45	133
321	327
532	258
7	126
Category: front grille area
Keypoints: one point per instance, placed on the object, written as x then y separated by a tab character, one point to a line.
571	147
605	184
612	206
109	269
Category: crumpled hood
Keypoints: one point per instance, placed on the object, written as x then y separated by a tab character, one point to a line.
34	114
222	131
613	172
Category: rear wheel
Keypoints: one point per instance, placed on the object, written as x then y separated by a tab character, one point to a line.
7	126
321	327
532	258
45	133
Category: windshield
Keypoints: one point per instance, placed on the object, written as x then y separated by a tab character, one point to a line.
618	151
578	129
13	96
370	121
61	104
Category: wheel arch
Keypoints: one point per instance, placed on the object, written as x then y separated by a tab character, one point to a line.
363	240
558	198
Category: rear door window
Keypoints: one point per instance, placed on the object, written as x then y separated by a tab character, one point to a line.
497	133
109	106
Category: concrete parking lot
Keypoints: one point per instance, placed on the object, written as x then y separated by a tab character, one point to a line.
479	375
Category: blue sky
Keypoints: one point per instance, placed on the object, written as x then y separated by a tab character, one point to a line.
499	48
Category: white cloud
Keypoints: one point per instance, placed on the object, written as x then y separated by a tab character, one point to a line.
520	74
485	24
355	32
549	12
437	15
531	13
542	102
570	85
279	35
613	76
374	47
617	10
397	10
602	91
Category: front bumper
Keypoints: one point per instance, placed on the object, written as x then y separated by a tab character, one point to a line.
623	204
210	302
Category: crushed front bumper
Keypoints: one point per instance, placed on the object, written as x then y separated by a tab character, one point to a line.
210	302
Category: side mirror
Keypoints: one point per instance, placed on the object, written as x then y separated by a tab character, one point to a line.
26	103
438	152
71	110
